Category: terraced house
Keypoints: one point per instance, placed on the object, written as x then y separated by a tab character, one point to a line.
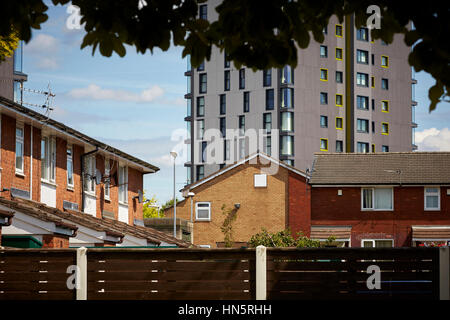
60	187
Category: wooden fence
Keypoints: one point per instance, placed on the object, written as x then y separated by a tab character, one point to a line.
214	274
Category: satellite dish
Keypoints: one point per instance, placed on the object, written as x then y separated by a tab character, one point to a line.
140	196
98	177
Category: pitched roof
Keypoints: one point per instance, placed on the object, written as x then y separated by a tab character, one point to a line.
238	163
109	226
17	108
39	214
406	168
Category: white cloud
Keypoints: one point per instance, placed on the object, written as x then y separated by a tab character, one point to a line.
42	43
433	139
95	92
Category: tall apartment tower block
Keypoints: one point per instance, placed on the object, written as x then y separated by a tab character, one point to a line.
347	94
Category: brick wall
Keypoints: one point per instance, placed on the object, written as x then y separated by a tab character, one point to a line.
135	183
330	209
55	241
299	205
259	207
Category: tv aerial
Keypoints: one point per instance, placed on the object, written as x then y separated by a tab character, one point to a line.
48	102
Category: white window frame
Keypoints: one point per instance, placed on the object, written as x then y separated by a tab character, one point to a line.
107	187
123	184
69	159
50	159
373	241
21	141
196	211
373	199
89	173
425	194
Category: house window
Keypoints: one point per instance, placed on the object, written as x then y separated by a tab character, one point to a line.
267	122
270	99
89	174
362	79
203	155
222	126
287	98
242	79
268	145
226	60
227	81
226	151
286	75
260	180
378	243
323	98
385	84
385	128
242	148
200	172
200	106
432	198
222	104
287	121
339	77
203	211
362	147
362	125
339	54
246	101
201	67
385	106
372	82
203	12
323	121
267	78
200	128
377	198
339	100
339	31
339	123
339	146
362	102
69	168
287	145
362	34
384	148
123	184
202	83
19	149
372	56
323	74
362	56
48	159
323	51
373	126
373	147
385	61
323	144
241	125
107	188
373	104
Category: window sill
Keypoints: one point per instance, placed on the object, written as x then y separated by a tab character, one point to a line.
91	194
107	200
71	189
20	174
48	182
377	210
123	203
432	210
202	220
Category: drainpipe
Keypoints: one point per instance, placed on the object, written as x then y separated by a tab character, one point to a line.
82	175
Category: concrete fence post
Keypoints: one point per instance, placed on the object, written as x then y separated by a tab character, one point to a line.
81	274
444	273
261	273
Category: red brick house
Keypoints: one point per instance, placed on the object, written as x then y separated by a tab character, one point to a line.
381	199
58	171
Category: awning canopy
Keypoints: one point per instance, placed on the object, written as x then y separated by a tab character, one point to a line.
341	233
430	233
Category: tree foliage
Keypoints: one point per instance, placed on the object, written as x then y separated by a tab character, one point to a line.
167	204
257	34
8	44
285	239
149	208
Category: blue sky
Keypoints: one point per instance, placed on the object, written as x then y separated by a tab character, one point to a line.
136	103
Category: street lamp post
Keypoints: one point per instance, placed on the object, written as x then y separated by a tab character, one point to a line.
174	155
